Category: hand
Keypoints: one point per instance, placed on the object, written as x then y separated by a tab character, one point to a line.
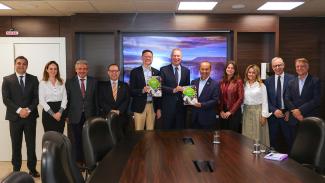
178	89
158	114
24	113
57	116
227	114
116	112
297	114
198	105
262	120
146	89
278	113
222	115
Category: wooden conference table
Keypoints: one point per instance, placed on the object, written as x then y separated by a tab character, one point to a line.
169	156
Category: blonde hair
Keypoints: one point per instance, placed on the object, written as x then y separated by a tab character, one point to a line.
257	73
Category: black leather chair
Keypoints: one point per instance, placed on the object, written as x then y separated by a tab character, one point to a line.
116	127
58	163
18	177
97	141
309	145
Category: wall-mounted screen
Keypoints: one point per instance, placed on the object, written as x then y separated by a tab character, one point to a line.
196	47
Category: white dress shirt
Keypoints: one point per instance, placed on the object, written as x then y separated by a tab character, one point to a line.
179	72
201	85
52	93
256	94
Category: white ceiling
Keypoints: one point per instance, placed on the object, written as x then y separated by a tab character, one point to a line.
311	8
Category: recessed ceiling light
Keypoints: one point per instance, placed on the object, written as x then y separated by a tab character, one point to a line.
280	5
4	7
197	5
238	6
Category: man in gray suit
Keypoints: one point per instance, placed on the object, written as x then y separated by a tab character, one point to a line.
20	95
82	104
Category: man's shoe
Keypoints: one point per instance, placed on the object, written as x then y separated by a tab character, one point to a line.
34	173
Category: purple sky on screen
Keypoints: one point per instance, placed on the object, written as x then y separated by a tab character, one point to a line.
194	48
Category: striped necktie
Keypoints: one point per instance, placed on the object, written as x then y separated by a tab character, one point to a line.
114	90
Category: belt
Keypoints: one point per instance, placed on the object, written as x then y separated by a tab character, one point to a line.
149	102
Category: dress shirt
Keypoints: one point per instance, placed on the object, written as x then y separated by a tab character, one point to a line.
24	79
147	74
85	82
282	83
201	85
52	93
179	72
301	83
115	82
256	94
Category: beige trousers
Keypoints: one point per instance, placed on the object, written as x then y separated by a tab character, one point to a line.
146	118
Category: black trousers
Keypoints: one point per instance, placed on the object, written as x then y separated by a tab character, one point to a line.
233	122
175	119
75	136
17	129
49	123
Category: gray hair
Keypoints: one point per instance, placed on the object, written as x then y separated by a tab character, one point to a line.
277	58
81	61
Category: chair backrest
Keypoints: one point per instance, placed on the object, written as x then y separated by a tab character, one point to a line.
115	127
309	143
58	163
96	140
18	177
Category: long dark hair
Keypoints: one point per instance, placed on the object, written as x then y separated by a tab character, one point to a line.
236	75
46	74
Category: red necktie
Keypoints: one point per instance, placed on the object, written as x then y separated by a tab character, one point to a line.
83	89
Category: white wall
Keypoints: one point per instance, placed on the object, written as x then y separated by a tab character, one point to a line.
38	51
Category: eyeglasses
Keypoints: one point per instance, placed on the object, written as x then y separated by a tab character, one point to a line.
279	65
113	71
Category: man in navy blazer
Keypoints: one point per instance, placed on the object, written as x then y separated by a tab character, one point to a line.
280	114
20	95
302	97
173	77
204	112
82	104
144	106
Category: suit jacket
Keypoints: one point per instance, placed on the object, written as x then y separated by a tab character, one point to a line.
106	102
76	102
168	83
271	92
208	99
309	100
14	97
137	82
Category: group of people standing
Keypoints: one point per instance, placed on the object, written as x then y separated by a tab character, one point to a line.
257	110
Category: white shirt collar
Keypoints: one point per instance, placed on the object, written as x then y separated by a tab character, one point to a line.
18	75
82	78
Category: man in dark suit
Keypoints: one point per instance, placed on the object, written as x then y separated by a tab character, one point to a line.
204	111
302	97
20	95
82	104
144	106
114	96
276	86
173	77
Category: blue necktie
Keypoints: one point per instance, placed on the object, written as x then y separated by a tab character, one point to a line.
176	75
278	94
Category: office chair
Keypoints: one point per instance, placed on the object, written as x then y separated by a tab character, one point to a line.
18	177
58	163
116	127
308	147
97	141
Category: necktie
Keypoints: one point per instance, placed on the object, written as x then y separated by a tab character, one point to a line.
278	94
83	89
21	83
114	90
176	75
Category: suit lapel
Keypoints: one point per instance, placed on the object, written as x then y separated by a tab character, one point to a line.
141	75
272	85
16	82
307	81
77	85
171	69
